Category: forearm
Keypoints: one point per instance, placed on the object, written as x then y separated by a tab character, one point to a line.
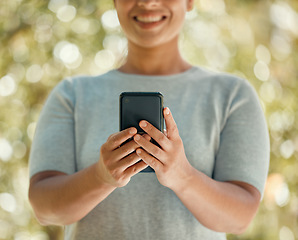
65	199
220	206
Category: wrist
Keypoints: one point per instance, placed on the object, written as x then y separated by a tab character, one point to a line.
99	178
185	181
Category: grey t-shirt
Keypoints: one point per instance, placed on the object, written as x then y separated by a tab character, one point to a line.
220	121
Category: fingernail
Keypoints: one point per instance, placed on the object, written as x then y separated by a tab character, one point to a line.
137	137
143	124
132	131
138	151
167	111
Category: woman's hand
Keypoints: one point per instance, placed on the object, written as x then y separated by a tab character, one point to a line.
118	163
169	160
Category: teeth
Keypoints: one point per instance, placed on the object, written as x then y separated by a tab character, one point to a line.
149	19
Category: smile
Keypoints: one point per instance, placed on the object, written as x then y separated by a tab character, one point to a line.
149	19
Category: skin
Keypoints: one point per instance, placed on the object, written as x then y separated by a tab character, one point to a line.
61	199
153	50
220	206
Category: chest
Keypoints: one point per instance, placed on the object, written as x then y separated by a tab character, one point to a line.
197	120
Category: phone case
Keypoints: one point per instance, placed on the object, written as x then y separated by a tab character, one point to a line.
137	106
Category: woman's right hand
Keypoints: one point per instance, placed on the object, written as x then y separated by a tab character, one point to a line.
117	162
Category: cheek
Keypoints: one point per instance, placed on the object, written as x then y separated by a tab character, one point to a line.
122	17
123	12
179	13
177	23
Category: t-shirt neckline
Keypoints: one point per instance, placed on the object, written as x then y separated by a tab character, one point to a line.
152	77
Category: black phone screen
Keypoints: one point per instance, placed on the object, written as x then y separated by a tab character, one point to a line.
137	106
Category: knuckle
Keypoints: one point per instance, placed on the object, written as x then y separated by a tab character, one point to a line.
161	138
108	162
147	137
127	149
115	174
111	137
114	140
179	142
153	164
149	127
105	161
129	159
116	177
133	157
156	151
134	169
121	178
102	149
165	169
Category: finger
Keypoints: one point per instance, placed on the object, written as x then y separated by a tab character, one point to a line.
149	160
172	130
156	134
165	132
128	161
136	168
116	139
149	147
125	150
124	163
147	137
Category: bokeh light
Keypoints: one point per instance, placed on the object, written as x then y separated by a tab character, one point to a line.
262	71
104	59
66	13
5	150
34	73
286	233
55	5
7	86
68	53
7	202
110	20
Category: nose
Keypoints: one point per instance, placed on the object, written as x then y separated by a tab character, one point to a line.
148	3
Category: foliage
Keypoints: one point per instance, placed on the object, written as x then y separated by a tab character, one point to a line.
42	42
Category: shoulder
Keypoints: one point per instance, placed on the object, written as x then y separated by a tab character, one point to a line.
86	80
219	78
80	84
221	84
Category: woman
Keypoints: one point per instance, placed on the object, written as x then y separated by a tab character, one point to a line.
209	176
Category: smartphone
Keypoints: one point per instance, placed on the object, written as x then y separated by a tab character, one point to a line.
137	106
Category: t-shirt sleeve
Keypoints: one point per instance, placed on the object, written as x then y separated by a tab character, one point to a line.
53	146
244	149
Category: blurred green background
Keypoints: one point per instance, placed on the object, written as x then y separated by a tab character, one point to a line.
42	42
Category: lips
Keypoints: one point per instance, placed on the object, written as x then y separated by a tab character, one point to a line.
149	18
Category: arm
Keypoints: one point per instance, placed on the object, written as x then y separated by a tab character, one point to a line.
61	199
66	195
220	206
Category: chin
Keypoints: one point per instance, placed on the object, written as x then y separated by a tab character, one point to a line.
150	43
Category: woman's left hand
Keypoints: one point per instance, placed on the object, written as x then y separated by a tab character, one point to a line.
169	160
